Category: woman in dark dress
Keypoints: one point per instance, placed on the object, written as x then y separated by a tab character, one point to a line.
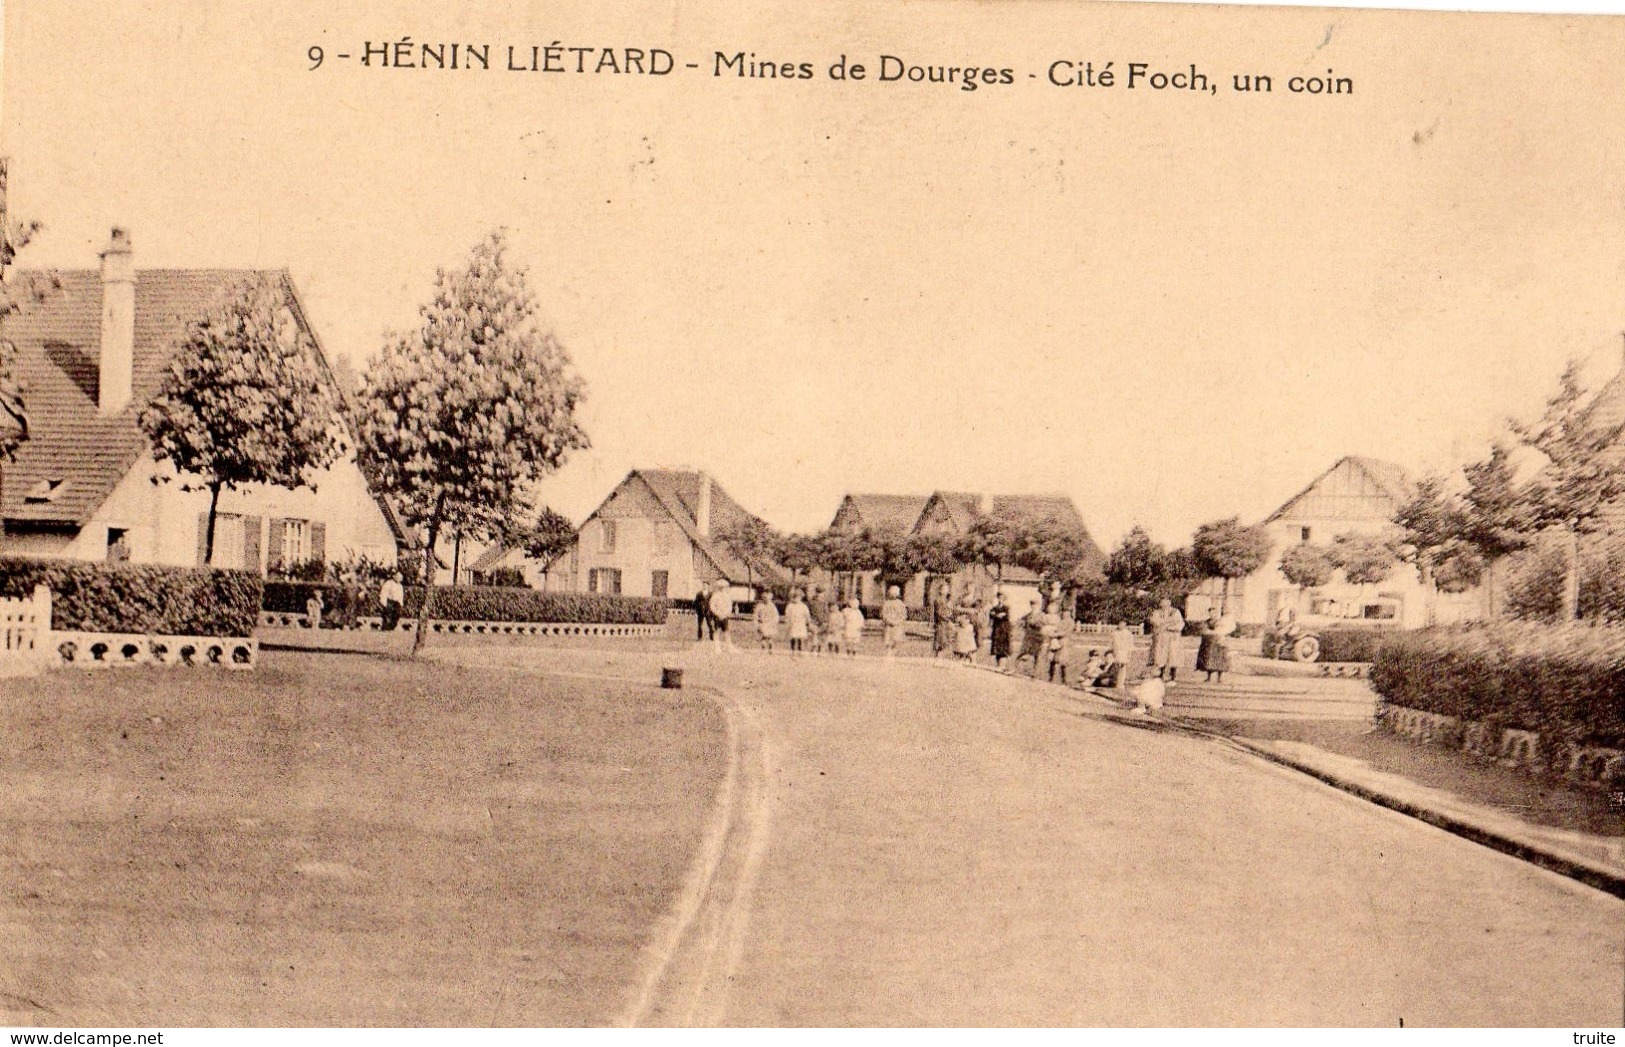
998	620
1213	656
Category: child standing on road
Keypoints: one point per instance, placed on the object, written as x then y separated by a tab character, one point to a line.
767	620
722	609
893	613
852	621
797	623
965	639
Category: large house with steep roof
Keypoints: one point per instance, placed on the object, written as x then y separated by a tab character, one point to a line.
84	485
1357	495
660	533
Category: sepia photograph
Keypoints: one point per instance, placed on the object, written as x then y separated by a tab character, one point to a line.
891	515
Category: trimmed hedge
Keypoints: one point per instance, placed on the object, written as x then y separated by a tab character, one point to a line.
1565	682
343	604
98	597
490	603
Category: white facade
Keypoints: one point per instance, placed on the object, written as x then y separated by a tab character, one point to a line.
158	523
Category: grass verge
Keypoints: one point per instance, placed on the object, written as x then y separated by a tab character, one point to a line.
337	840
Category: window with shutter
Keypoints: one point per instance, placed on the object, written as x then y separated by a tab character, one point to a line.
318	541
228	540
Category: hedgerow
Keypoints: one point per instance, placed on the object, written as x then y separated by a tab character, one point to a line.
489	603
1566	682
138	598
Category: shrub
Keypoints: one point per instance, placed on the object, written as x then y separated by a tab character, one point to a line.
1565	682
1351	645
489	603
139	598
1110	603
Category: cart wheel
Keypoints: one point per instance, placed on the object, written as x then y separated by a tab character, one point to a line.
1307	649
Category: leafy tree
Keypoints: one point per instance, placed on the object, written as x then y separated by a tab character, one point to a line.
1494	525
937	552
839	553
1183	570
990	540
1583	473
1054	551
545	538
245	400
753	541
1307	566
890	553
464	415
801	554
1433	537
1229	549
1366	559
1137	562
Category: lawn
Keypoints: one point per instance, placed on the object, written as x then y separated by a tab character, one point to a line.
341	840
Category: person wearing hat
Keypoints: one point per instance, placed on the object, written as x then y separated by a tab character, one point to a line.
893	613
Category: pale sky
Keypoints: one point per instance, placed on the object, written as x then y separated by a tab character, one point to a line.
1172	306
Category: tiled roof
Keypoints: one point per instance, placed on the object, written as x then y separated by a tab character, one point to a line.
963	508
58	347
58	351
679	491
887	512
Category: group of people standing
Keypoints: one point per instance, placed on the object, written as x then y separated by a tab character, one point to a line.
813	623
816	622
1166	625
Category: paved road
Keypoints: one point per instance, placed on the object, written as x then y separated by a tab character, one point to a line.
920	845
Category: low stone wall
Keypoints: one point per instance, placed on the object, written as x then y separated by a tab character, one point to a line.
81	650
1589	765
441	626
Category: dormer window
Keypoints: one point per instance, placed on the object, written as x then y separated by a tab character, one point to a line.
45	492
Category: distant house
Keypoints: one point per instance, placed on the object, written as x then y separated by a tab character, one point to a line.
953	512
1355	496
82	486
659	534
897	513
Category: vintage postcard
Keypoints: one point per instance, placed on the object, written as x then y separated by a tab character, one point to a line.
821	514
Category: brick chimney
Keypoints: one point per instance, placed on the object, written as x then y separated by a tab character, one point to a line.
702	507
118	325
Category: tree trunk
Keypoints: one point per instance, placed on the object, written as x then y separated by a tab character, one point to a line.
208	531
428	575
1571	576
456	558
1430	594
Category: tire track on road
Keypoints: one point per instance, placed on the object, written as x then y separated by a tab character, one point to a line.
690	968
